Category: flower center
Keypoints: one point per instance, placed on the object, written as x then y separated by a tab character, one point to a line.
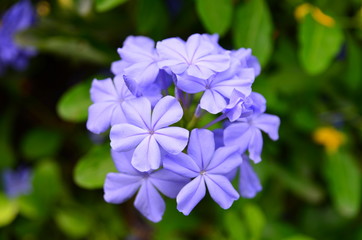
203	172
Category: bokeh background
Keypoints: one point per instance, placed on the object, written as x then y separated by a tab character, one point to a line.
311	58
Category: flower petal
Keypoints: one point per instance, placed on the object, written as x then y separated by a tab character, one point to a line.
103	90
212	101
138	112
255	145
125	136
238	134
249	184
224	160
118	187
149	202
190	84
100	115
269	124
190	195
166	112
172	139
181	164
201	147
122	160
168	183
147	155
144	72
221	190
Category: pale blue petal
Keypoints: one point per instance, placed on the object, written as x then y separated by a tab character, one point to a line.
172	139
212	101
138	112
103	90
149	202
269	124
225	159
221	190
191	84
259	102
122	160
168	183
147	155
190	195
201	147
166	112
238	134
100	115
249	184
118	187
181	164
125	136
255	145
144	73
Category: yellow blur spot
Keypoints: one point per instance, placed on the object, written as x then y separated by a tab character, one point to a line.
66	3
302	10
329	137
43	8
322	18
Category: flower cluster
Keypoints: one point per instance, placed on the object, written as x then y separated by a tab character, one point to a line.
150	128
19	17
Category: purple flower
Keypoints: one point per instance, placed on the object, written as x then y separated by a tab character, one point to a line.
119	187
197	57
207	167
108	97
19	17
246	134
249	184
247	60
17	182
139	60
239	106
148	132
219	87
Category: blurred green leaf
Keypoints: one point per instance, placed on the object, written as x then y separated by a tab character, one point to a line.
40	142
6	149
354	60
255	220
319	44
253	29
234	226
74	222
105	5
151	17
91	170
8	210
73	105
298	237
215	15
344	181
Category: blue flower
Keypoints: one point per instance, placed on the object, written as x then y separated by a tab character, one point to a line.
119	187
19	17
249	184
148	132
208	168
17	182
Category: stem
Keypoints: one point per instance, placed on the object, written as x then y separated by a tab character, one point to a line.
216	120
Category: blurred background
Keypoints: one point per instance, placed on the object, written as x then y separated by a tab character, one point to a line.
52	169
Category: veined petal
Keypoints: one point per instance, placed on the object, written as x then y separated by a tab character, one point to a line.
269	124
117	116
168	183
103	90
225	159
171	49
181	164
212	101
201	147
190	84
166	112
138	112
221	190
255	145
197	47
125	136
100	115
238	134
144	73
149	202
249	184
214	62
199	71
172	139
122	160
119	187
147	155
190	195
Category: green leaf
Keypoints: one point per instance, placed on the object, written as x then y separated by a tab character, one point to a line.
6	149
91	169
298	237
319	44
151	17
215	15
74	222
253	29
8	210
234	226
344	181
354	70
105	5
255	220
40	142
73	105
